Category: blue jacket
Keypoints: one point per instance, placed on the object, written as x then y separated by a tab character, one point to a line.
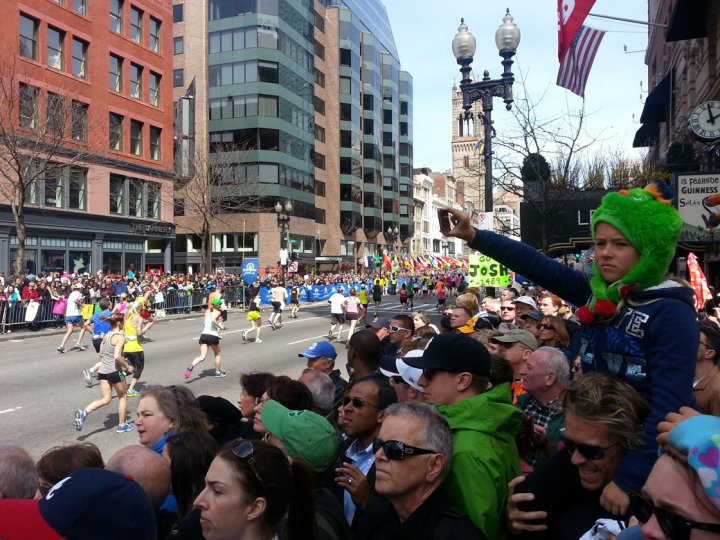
651	344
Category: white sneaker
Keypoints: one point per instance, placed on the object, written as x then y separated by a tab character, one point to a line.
258	340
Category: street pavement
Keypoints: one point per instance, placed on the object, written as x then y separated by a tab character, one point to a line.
40	389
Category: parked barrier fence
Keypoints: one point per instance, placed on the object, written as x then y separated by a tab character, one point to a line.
15	315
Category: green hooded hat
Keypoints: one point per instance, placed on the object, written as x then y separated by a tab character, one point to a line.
651	224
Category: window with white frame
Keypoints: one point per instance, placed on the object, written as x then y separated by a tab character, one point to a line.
28	108
136	129
116	131
55	48
155	89
55	114
79	120
59	186
136	29
155	137
136	73
116	16
80	6
116	64
134	197
154	34
28	37
79	58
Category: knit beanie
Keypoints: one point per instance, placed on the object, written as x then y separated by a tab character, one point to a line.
699	437
646	218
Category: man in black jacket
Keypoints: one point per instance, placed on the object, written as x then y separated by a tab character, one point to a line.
412	459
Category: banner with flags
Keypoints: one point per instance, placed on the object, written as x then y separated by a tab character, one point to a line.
698	281
571	15
575	67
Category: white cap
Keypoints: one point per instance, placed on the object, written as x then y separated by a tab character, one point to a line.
526	300
409	374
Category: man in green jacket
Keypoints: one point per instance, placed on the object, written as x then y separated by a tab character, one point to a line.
484	424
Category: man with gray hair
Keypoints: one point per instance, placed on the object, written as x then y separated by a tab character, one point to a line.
545	375
18	475
413	451
322	389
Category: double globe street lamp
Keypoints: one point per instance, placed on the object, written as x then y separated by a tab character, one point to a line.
507	39
283	221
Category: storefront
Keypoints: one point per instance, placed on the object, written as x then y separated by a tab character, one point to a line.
63	241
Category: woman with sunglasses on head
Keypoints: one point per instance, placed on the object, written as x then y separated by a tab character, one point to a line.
250	488
635	324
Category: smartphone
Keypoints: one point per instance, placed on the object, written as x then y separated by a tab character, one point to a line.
445	220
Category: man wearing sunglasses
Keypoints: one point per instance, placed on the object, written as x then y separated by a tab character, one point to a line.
561	499
413	451
484	423
402	329
360	416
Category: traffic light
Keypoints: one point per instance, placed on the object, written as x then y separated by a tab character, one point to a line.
293	257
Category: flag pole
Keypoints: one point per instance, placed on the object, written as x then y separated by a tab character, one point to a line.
634	21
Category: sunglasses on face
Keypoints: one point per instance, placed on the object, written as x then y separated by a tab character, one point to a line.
673	525
588	451
394	329
546	326
397	451
244	451
507	308
357	403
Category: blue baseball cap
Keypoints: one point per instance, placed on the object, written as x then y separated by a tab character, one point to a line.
318	349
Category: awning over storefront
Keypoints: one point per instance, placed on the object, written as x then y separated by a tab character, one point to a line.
655	109
688	20
647	135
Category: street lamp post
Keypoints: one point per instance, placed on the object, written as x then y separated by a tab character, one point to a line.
392	234
507	39
283	221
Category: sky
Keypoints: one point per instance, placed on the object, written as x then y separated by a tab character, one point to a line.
423	32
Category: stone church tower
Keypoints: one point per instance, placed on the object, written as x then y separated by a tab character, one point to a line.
467	147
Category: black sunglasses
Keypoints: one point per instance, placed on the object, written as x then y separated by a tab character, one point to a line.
397	451
588	451
546	326
244	450
673	525
357	402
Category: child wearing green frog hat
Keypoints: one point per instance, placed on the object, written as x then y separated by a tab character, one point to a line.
635	324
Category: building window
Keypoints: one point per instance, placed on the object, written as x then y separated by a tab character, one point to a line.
79	58
154	89
135	197
28	37
319	21
267	37
55	114
179	207
178	13
80	6
116	73
319	50
178	77
319	78
116	16
136	28
52	195
152	208
28	105
60	186
117	194
154	34
79	121
319	161
345	85
268	106
267	71
136	81
319	105
178	45
77	188
319	133
116	131
136	129
155	137
55	46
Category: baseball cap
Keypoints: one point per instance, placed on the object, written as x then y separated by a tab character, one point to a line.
526	300
534	315
378	322
304	434
78	286
518	336
396	367
318	349
87	504
453	352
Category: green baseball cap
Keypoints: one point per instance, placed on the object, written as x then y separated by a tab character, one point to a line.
305	434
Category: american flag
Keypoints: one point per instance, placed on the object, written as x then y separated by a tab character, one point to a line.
575	67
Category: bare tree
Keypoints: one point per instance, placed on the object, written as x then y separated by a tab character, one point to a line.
223	184
42	134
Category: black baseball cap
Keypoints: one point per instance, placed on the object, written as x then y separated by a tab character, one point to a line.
454	352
